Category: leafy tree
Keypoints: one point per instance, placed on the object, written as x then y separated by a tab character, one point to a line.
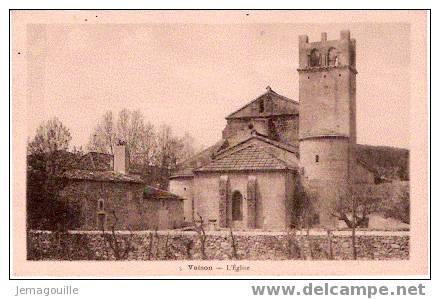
48	157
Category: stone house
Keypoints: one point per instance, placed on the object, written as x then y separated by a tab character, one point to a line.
273	144
116	198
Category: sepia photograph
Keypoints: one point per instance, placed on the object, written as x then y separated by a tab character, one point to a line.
220	142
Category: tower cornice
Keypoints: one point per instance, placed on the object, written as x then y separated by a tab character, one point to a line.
326	68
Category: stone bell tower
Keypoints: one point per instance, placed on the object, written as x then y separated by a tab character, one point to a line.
327	119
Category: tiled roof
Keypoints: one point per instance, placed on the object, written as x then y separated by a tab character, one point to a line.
104	176
187	172
248	158
158	194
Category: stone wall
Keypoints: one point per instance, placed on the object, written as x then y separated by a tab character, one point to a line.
285	129
177	245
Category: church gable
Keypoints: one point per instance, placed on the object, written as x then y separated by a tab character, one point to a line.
268	104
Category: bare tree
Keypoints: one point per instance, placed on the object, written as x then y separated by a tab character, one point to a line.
330	244
202	236
148	147
123	127
157	243
293	248
129	127
166	246
120	249
188	243
167	148
311	244
234	253
104	135
154	152
150	246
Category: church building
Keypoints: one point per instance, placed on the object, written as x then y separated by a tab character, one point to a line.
274	147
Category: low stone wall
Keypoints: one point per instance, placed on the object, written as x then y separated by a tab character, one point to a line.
177	245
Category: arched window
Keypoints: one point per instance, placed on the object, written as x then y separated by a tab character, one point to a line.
315	58
237	206
332	57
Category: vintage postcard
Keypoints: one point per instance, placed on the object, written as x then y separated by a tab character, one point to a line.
219	143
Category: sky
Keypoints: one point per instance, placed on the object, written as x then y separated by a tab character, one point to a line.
191	76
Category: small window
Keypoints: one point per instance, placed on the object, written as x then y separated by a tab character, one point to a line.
317	158
261	106
101	204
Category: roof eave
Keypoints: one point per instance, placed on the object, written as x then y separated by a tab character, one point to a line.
101	180
318	136
262	116
246	170
177	176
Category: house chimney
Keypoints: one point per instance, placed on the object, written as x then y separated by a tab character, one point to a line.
121	159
